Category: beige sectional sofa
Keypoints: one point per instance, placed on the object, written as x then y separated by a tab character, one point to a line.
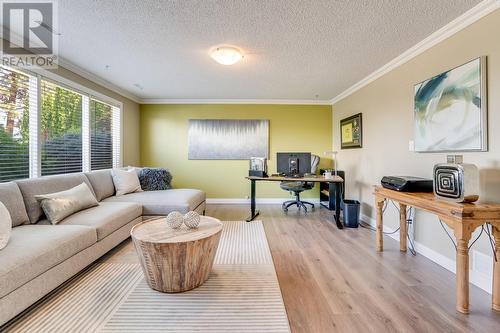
40	256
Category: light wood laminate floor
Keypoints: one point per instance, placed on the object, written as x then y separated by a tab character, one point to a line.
334	281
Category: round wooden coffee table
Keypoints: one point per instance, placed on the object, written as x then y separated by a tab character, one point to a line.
176	260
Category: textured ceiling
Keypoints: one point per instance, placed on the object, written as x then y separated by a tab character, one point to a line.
293	49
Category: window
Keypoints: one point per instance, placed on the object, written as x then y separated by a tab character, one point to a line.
101	135
14	125
61	130
48	128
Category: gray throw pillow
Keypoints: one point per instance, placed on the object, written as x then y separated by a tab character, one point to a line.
57	206
155	179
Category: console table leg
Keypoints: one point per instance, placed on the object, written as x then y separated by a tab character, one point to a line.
402	228
496	270
462	283
379	203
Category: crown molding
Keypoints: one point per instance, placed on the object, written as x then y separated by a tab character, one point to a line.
235	101
96	79
474	14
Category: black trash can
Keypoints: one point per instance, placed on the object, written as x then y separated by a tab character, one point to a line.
351	213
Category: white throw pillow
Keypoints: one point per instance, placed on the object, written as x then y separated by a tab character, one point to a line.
126	181
57	206
5	226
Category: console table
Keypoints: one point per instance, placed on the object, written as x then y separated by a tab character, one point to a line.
462	218
335	181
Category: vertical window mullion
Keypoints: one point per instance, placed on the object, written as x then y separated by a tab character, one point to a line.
34	128
117	134
86	152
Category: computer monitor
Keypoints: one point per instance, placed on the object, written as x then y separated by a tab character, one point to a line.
294	164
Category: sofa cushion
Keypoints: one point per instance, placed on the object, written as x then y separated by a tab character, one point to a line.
58	206
34	249
155	179
44	185
102	182
164	202
11	197
105	218
125	181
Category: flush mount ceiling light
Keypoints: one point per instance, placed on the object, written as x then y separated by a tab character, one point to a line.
226	55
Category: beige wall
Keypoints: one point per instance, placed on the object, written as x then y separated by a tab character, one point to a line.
387	107
131	154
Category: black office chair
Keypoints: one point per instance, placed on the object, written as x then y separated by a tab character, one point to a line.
298	187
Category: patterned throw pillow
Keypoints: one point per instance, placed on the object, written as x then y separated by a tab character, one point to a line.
155	179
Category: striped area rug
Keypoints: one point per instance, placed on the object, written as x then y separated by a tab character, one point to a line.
241	295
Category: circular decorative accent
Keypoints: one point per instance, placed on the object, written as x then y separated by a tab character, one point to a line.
192	220
174	220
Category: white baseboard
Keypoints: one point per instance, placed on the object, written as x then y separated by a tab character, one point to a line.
259	201
478	279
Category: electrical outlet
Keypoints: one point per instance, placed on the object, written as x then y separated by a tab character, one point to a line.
411	145
482	263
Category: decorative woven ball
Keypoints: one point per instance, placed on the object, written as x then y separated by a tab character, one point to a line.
192	220
174	220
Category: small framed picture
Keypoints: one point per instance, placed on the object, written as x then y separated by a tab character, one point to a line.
351	132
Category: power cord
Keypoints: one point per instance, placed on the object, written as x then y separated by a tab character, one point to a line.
409	225
475	240
447	233
409	221
492	241
369	227
410	230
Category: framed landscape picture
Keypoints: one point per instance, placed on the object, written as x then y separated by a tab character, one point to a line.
351	132
450	110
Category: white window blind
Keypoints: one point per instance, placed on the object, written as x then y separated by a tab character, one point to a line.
61	129
50	126
101	135
117	136
14	125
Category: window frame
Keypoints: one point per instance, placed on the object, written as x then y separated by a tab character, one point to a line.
36	76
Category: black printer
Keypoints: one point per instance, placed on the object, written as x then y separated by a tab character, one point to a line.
407	184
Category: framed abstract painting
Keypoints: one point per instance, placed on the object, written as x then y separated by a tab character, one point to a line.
227	139
450	110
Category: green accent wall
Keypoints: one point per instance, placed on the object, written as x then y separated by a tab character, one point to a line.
164	143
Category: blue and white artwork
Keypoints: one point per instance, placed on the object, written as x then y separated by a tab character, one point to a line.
224	139
450	110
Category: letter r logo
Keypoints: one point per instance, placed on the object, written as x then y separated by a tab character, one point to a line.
29	23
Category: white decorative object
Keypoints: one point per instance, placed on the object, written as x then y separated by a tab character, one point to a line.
5	226
192	220
174	220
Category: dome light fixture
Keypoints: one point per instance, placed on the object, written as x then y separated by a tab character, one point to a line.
226	55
